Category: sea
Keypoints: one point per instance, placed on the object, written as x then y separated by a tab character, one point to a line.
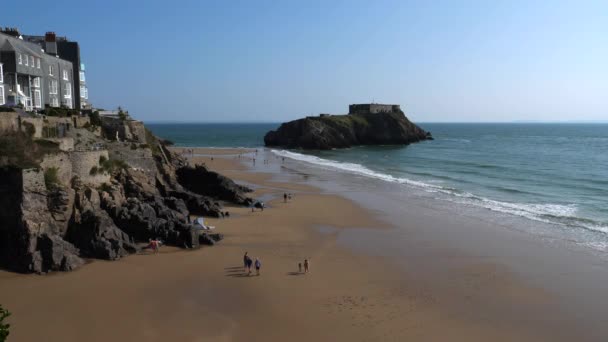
551	178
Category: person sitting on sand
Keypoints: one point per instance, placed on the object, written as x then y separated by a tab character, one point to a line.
227	214
306	265
258	265
259	205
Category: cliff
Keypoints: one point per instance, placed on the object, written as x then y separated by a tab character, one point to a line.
102	199
341	131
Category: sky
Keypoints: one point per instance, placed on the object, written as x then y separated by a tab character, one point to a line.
273	61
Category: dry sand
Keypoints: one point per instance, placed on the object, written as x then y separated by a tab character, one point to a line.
204	295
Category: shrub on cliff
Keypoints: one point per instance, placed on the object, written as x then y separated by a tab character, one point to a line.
60	111
108	166
95	118
4	327
51	180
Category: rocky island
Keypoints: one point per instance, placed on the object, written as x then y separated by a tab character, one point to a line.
365	124
76	187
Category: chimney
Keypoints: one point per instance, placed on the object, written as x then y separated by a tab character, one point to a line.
50	43
11	31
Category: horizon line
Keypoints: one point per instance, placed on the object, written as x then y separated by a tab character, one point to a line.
418	122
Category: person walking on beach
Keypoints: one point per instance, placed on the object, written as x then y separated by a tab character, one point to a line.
245	257
306	265
249	264
284	198
300	267
258	265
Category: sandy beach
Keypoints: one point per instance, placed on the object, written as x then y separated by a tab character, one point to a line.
205	295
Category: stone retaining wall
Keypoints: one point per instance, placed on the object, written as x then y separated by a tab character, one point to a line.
83	162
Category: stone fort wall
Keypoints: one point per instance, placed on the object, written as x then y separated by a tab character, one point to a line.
372	108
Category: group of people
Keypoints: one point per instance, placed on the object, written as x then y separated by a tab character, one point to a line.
306	266
286	197
248	263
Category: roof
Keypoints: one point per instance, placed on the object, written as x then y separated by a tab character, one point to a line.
10	43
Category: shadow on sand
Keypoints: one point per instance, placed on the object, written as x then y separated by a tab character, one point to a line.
295	273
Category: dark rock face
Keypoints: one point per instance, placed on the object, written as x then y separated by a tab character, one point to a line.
342	131
202	181
96	235
52	229
210	239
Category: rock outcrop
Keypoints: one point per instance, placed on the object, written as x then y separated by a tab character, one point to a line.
52	220
202	181
342	131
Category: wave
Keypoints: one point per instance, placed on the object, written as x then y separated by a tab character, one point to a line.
560	214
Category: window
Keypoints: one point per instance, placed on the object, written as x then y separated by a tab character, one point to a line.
84	92
67	91
82	78
51	70
65	75
20	59
37	99
1	74
53	87
32	62
38	63
1	95
26	60
37	82
54	102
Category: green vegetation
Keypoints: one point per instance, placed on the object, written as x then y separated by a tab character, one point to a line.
19	150
4	327
152	141
51	180
95	118
122	115
108	166
105	187
60	111
345	120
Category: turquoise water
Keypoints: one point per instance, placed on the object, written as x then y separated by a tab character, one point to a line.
215	135
552	173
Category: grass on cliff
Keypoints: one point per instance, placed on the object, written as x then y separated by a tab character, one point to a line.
345	120
108	166
18	149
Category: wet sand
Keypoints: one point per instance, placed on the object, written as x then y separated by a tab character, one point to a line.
204	295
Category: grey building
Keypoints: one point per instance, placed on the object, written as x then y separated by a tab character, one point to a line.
32	77
68	50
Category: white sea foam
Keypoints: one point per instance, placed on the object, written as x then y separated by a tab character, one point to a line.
544	212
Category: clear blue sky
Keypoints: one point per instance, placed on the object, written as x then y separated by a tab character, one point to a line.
278	60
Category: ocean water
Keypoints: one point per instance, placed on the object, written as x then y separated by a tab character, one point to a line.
555	174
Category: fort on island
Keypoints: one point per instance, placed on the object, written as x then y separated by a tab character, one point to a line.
365	108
